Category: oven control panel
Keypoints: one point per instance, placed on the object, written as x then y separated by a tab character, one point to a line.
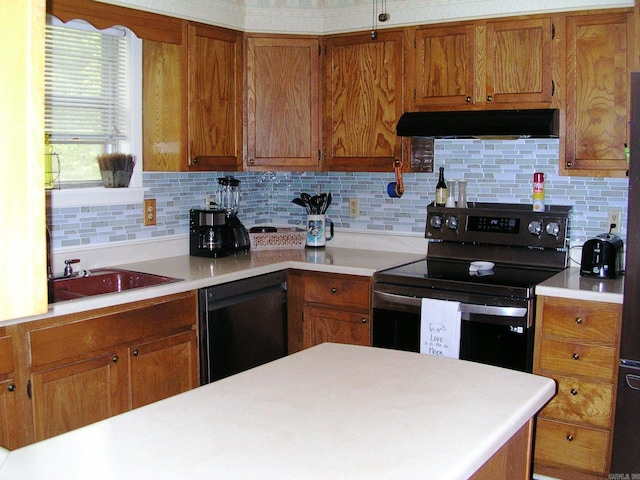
499	224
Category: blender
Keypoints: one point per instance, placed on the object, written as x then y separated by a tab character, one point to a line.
228	200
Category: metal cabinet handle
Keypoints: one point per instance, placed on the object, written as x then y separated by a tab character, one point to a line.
363	320
575	356
136	352
11	387
467	99
570	437
195	160
579	320
252	161
115	359
334	289
489	98
574	391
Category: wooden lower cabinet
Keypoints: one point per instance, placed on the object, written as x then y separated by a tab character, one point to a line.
74	395
512	461
161	368
8	392
577	344
572	446
328	307
85	367
322	324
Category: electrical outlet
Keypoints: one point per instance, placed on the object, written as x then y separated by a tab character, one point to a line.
210	202
354	207
613	216
149	212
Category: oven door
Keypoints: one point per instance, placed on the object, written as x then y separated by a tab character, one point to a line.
499	332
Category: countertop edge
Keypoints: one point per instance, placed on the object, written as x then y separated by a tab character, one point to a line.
570	284
189	281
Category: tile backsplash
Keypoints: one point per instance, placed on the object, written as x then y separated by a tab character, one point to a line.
496	171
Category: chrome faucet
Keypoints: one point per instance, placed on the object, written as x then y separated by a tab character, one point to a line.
68	269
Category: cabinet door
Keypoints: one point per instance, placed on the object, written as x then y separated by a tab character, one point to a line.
74	395
283	105
518	61
364	101
214	98
162	368
7	393
164	106
7	413
322	324
445	66
599	59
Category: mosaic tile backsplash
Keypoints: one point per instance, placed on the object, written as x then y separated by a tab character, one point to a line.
496	171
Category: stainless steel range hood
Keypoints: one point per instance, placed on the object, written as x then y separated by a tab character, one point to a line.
541	123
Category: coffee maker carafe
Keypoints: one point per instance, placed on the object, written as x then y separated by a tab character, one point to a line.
228	199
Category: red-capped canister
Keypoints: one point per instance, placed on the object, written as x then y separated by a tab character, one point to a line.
538	192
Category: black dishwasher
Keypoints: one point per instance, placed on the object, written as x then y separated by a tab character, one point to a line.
243	324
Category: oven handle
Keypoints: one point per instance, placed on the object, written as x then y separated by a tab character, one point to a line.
465	308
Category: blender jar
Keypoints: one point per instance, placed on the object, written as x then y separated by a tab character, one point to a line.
229	194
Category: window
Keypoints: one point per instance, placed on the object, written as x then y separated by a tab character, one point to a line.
90	102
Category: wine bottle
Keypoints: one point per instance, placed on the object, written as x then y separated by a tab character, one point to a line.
441	190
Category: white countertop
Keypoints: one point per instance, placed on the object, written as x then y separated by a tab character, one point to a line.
570	284
330	412
200	272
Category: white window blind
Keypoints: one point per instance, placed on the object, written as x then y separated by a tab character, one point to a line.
86	85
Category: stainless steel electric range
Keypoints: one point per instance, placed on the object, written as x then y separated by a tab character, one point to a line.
498	303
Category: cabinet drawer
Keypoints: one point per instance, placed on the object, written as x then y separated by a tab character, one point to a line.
582	402
104	329
590	321
339	326
566	444
6	355
338	291
568	358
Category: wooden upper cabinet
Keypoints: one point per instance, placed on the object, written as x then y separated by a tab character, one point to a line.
494	64
445	65
214	98
163	107
192	101
283	121
600	49
519	60
364	100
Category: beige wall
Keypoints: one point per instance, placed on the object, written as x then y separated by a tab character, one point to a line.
335	16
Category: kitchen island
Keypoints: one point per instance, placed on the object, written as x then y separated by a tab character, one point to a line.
332	411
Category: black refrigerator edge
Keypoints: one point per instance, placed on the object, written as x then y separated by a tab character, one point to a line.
626	435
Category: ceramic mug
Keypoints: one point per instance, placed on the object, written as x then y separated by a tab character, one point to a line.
317	235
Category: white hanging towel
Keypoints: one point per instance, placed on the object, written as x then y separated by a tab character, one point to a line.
440	328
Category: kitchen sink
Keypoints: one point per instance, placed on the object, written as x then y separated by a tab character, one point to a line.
101	281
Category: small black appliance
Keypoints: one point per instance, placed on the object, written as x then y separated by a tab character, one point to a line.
210	235
602	256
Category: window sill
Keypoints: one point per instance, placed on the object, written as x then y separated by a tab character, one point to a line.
84	197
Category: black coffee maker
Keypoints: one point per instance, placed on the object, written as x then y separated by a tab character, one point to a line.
210	236
228	199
